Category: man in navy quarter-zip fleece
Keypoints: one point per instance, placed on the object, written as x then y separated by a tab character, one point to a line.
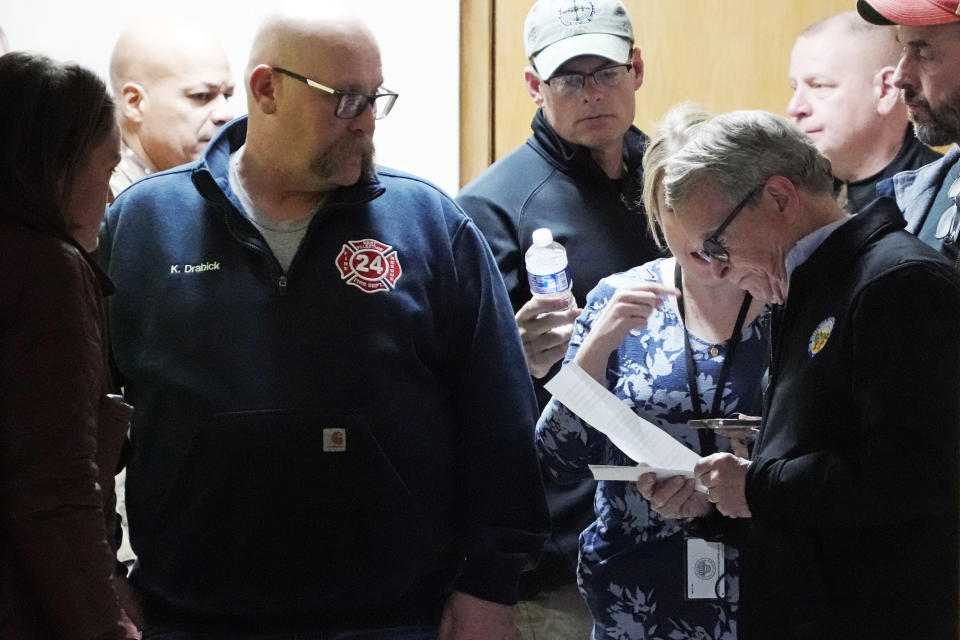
334	418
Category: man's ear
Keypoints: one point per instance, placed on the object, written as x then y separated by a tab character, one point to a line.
132	101
531	79
885	93
785	197
263	88
637	68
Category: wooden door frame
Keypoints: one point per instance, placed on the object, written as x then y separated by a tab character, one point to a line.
483	92
476	87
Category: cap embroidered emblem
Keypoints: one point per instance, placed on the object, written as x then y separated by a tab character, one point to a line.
820	336
369	265
577	13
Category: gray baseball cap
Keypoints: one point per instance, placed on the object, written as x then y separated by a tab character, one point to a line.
557	30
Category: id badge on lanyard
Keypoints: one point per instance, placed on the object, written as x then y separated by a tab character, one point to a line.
704	560
705	570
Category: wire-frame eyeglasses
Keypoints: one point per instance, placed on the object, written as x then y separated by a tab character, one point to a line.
713	249
570	82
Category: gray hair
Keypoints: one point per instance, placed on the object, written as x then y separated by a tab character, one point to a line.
670	134
740	151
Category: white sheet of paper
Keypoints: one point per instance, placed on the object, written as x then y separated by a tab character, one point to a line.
632	474
640	439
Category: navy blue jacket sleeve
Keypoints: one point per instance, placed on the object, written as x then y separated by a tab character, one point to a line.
499	228
502	493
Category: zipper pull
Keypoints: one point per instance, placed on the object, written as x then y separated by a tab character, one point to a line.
283	285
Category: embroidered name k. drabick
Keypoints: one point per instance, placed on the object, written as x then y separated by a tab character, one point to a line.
177	269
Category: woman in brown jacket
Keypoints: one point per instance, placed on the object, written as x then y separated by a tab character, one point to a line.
60	434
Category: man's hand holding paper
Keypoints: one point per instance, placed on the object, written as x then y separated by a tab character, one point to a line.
725	475
674	497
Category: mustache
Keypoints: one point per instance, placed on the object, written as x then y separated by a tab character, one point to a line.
361	144
328	162
909	97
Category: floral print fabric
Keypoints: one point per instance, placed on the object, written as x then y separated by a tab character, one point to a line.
632	564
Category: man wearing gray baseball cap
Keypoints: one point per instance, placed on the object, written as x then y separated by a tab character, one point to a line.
579	175
929	85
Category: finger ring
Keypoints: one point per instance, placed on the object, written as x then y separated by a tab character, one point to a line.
710	497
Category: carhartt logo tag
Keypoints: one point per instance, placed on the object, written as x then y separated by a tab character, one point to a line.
177	269
334	440
369	265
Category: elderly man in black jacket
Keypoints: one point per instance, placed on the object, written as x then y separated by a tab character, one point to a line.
852	490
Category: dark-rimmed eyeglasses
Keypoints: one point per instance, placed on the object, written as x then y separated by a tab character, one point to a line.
570	82
948	227
350	105
713	249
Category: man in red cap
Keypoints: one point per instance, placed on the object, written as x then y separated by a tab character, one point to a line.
930	87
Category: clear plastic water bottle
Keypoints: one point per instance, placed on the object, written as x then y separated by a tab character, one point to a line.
547	270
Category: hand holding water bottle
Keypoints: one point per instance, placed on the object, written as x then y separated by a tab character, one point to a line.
546	321
547	270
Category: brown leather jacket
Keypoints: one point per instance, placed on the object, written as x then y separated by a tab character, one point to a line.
60	442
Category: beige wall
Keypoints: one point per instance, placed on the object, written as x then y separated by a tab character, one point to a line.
422	64
724	54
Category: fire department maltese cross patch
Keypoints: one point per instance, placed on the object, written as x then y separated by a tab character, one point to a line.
369	265
820	336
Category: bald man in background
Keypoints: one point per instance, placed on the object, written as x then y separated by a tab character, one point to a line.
172	82
841	71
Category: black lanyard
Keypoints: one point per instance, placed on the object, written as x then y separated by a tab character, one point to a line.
707	441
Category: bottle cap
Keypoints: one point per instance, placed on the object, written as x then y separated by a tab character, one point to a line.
542	237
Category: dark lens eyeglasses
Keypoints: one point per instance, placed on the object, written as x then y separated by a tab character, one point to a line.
351	105
713	249
569	82
948	227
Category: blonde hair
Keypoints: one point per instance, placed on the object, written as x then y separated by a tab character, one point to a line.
670	134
